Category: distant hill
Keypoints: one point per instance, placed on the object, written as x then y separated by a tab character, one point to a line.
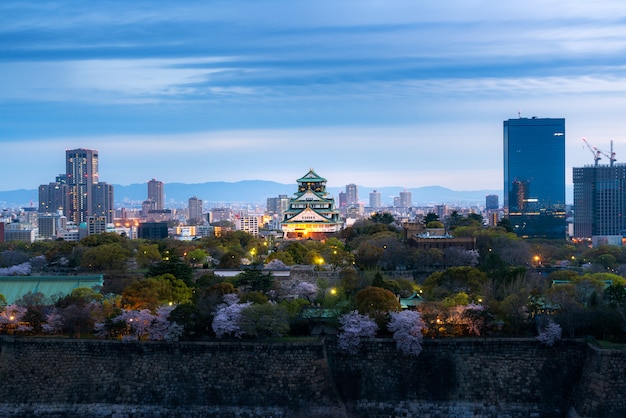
257	191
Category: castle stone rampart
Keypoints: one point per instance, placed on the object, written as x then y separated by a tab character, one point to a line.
460	377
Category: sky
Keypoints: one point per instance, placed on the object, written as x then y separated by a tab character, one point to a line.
378	93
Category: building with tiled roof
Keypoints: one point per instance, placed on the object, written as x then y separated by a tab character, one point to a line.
311	212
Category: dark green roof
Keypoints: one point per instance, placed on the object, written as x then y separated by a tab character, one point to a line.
310	177
14	287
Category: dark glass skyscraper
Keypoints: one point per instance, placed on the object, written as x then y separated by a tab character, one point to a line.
534	176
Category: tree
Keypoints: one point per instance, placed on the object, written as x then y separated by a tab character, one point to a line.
111	256
262	321
385	218
226	321
230	260
550	334
142	325
148	255
197	256
430	217
306	290
156	291
35	304
256	280
75	313
377	303
174	266
407	327
354	328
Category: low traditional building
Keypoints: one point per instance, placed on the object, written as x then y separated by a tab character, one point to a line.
311	212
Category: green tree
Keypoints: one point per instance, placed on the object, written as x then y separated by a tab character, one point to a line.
174	266
147	255
377	303
430	217
112	256
385	218
256	280
264	321
230	260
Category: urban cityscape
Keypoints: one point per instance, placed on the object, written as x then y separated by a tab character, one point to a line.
78	203
312	209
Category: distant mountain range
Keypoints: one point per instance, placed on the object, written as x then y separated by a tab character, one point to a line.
257	191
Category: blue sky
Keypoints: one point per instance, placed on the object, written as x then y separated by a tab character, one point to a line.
378	93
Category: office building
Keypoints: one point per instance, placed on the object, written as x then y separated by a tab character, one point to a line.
491	202
600	203
375	200
195	211
352	195
343	199
534	176
156	195
152	230
276	206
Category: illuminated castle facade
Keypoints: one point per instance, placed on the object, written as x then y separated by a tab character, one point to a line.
311	212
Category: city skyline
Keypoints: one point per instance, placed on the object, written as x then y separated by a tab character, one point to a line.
382	94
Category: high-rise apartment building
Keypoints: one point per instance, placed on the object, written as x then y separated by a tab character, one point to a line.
352	194
600	203
277	205
82	175
103	202
195	211
156	195
534	176
78	192
406	200
375	199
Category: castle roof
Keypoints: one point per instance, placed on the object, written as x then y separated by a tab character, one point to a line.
311	177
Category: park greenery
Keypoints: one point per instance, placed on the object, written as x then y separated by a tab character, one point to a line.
355	283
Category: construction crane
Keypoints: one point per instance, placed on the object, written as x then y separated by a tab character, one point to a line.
610	156
596	152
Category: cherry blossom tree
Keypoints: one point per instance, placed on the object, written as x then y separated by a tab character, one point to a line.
475	317
306	290
162	329
550	334
134	325
407	329
12	318
228	317
354	328
22	269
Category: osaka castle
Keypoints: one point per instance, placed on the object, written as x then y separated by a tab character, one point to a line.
311	212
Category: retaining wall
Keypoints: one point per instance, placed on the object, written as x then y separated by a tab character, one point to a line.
461	377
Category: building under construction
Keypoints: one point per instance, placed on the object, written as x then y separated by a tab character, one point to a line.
600	200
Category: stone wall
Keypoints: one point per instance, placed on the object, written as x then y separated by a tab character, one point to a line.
462	377
602	389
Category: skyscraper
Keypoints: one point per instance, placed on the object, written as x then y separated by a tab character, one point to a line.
600	203
491	201
375	199
82	175
352	194
103	202
406	199
156	196
534	176
195	211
